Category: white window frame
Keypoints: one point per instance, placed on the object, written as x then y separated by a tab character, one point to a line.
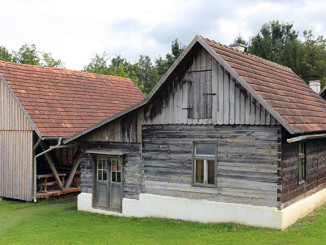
205	158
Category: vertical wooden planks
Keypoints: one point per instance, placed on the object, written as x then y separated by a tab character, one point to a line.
220	117
214	83
226	102
207	94
232	101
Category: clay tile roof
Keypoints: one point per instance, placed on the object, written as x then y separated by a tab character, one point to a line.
301	108
62	102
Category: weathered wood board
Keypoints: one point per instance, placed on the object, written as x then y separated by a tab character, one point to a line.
205	93
247	162
132	169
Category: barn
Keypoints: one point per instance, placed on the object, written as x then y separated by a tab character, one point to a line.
224	137
40	107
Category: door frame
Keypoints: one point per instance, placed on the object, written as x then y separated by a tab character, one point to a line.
94	158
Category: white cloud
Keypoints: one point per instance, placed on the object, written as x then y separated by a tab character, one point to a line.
74	30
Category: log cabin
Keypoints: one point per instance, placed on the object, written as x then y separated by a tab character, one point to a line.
41	106
223	137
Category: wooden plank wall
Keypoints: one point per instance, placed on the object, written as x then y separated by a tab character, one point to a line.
247	165
132	166
205	94
316	170
16	149
126	129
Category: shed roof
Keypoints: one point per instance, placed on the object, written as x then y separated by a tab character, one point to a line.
61	102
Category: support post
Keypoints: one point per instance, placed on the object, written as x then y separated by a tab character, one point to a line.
73	171
51	165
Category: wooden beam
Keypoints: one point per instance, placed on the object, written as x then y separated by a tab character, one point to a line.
73	172
37	144
51	165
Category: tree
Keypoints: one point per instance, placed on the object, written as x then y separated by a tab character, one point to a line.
27	54
147	73
5	54
49	61
239	40
143	73
98	65
163	64
273	43
313	60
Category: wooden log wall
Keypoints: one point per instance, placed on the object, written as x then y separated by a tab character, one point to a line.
248	162
132	166
16	149
315	167
205	94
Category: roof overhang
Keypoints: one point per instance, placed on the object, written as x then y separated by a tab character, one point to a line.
102	152
306	137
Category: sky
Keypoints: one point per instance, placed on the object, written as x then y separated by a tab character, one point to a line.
75	30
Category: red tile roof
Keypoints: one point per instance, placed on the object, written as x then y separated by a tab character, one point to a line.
62	102
302	109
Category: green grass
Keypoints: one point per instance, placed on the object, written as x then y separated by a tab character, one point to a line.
58	222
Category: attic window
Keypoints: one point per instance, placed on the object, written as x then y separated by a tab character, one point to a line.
302	162
204	164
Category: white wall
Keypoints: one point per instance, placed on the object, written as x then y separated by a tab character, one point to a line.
205	211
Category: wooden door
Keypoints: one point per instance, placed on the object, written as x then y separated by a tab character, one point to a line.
102	183
115	183
109	183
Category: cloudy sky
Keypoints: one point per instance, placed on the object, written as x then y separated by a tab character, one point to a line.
75	30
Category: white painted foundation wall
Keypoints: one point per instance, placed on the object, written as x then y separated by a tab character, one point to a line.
205	211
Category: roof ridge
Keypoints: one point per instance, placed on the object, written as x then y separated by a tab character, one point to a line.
248	54
39	67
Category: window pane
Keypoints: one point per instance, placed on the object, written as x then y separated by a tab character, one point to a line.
114	178
205	149
105	175
118	176
211	174
99	164
119	166
114	165
199	171
99	175
105	164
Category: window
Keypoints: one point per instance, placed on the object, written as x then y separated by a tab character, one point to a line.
302	162
116	168
102	169
204	164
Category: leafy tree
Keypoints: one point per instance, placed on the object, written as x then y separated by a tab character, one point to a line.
239	40
98	65
163	64
147	73
313	60
49	61
276	42
27	54
5	54
143	73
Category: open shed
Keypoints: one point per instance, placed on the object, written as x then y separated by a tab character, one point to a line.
41	106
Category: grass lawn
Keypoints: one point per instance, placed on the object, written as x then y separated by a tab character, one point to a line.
58	222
